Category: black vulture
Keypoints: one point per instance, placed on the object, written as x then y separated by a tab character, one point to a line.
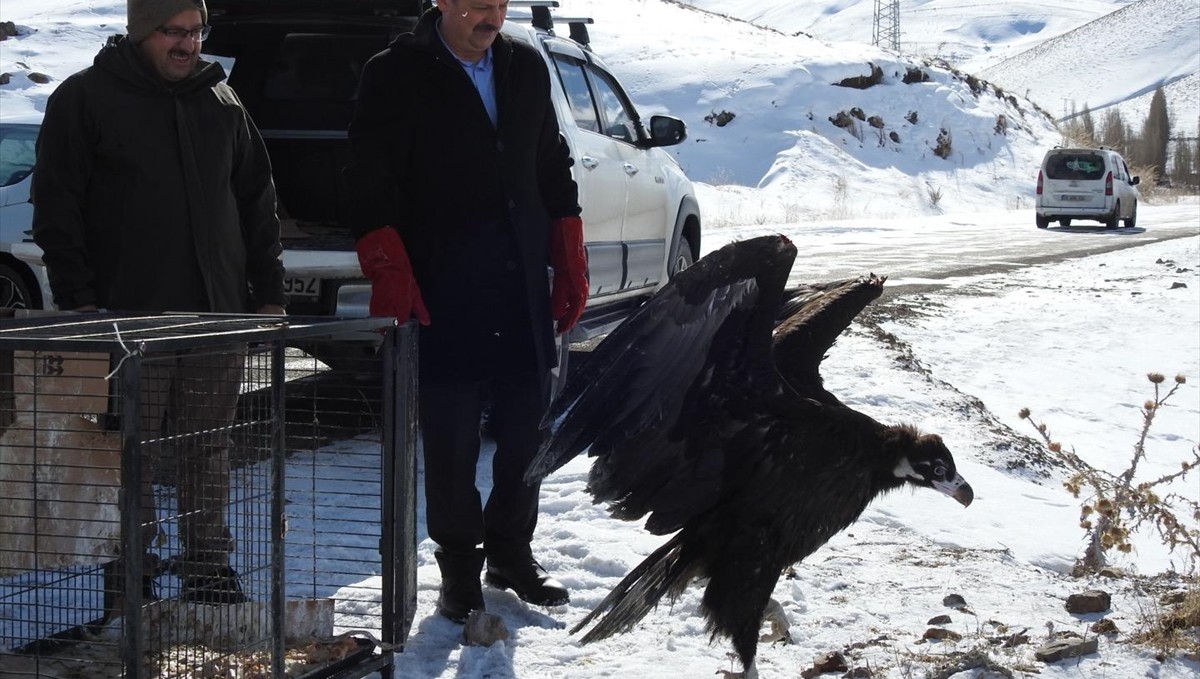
702	414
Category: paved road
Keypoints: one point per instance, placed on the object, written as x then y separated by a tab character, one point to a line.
920	251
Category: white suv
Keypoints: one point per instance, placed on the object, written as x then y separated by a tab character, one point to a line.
295	66
19	284
1093	184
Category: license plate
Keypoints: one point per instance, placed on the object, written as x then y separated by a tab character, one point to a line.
302	287
1071	197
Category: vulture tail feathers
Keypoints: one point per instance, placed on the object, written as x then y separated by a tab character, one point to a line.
664	571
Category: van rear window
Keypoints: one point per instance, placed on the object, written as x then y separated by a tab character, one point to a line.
1085	166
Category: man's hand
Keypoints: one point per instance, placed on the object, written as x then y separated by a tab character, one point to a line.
394	291
569	260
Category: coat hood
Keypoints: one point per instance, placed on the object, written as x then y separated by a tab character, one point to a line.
121	57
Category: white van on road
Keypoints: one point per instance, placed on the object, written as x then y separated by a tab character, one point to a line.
1093	184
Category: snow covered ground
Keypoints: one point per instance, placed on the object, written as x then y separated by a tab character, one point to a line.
1072	341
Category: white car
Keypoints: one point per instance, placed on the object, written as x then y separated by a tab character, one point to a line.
20	286
1093	184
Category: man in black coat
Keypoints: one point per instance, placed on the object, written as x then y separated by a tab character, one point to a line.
462	199
153	192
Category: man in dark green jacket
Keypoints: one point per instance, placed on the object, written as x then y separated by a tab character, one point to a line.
153	192
462	201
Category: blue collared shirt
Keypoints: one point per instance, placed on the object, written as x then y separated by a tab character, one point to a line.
480	73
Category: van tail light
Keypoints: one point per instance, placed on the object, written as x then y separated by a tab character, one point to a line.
1039	188
1108	184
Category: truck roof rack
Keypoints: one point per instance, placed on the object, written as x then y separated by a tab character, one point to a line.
540	10
541	18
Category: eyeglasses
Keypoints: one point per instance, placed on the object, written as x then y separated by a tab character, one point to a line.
178	34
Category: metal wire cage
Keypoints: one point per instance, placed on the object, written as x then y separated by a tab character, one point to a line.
193	496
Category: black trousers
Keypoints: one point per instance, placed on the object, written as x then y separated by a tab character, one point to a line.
450	418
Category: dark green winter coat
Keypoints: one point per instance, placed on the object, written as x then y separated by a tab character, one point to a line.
472	201
154	196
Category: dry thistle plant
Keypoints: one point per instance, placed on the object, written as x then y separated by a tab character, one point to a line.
1115	505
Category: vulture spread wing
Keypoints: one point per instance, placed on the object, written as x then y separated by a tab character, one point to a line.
813	317
640	400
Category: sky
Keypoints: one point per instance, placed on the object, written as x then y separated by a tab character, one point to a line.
1072	341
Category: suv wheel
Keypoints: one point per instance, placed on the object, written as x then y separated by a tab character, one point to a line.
683	258
1131	220
13	293
1110	222
1042	222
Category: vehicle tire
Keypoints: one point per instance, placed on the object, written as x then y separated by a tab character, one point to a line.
683	258
1111	221
1042	222
1131	220
14	294
1064	222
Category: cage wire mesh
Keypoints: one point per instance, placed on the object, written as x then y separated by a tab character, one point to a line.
194	496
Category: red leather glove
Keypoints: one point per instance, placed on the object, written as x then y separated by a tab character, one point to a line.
394	291
569	260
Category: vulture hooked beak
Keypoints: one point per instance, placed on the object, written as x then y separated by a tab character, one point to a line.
957	488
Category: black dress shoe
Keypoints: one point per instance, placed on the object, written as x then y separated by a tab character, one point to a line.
526	577
220	587
460	591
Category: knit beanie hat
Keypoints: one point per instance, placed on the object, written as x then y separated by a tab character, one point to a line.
147	15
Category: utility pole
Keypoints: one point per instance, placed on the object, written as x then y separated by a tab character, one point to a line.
886	29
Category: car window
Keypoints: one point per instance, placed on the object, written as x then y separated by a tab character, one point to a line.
1080	166
579	96
617	121
16	152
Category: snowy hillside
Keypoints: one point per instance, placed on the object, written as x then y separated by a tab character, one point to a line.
969	35
1117	58
1098	52
783	91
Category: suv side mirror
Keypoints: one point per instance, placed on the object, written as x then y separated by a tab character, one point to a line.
1135	181
666	131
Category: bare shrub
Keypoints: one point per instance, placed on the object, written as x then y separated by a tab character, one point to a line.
722	176
1074	136
1114	505
1148	185
841	194
862	82
720	119
934	194
913	74
943	147
842	120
